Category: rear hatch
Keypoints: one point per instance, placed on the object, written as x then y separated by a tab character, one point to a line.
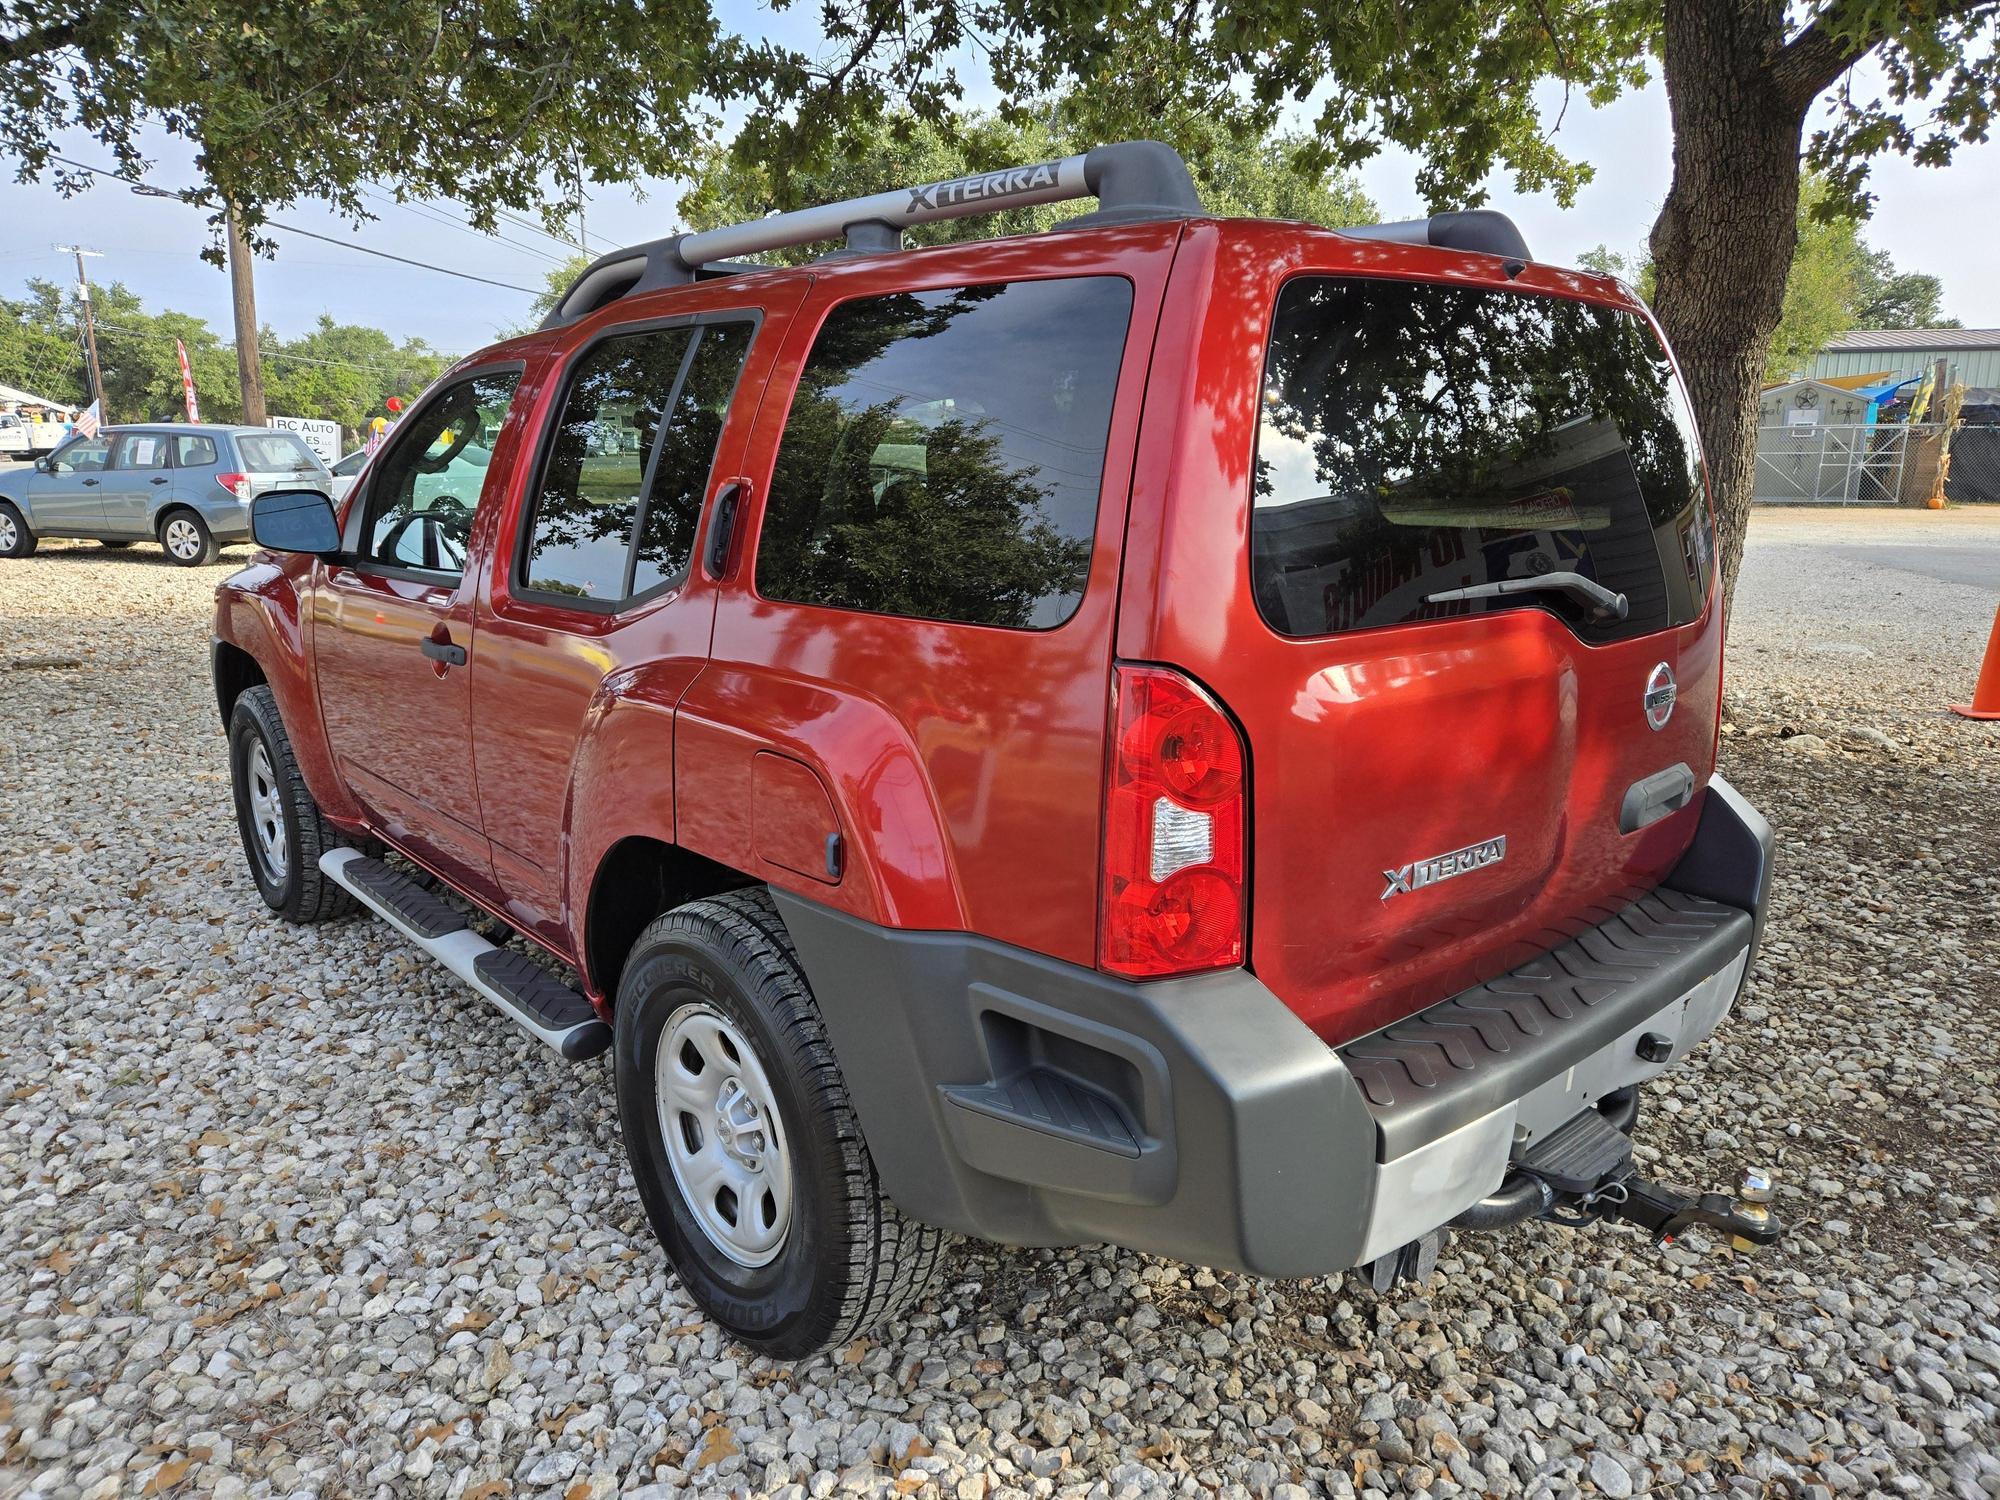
1443	788
278	460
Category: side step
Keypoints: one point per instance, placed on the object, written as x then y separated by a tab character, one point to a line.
522	991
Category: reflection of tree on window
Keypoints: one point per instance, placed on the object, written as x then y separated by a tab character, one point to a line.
944	452
1419	437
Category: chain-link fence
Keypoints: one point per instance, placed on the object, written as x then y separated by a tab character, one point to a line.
1889	463
1974	475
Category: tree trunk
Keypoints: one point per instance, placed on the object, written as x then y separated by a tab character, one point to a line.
1722	246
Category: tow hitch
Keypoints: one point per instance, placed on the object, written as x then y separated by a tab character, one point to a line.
1583	1173
1666	1213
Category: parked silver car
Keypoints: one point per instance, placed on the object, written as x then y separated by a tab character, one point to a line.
184	485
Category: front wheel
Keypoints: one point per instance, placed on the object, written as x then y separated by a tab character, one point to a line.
747	1151
16	540
283	832
187	539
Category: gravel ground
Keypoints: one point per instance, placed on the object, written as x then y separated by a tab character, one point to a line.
285	1211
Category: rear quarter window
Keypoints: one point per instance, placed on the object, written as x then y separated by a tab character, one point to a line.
944	453
1415	439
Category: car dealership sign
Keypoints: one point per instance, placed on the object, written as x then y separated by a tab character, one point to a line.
322	437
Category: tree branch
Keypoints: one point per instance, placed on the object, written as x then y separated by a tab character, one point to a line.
51	36
1808	65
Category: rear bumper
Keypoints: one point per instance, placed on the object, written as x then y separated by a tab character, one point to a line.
1033	1102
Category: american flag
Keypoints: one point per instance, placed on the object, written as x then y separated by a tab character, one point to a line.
86	424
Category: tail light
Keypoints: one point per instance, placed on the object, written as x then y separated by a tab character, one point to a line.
237	484
1173	896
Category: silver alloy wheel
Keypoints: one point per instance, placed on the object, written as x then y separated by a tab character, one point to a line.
9	534
724	1138
267	815
183	538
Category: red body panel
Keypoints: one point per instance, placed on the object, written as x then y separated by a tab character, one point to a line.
963	766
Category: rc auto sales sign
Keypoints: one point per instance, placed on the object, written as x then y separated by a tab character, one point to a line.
322	437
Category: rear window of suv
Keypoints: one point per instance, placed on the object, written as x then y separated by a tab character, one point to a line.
274	453
1416	439
944	453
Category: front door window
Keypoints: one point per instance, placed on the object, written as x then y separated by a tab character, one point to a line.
426	487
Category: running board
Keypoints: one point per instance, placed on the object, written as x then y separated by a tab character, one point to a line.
519	988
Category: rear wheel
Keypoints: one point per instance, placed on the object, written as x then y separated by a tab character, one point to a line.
745	1146
16	540
186	538
283	832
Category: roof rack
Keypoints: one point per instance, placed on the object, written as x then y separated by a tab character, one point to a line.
1486	230
1131	181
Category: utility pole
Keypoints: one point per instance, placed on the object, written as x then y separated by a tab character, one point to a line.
89	324
243	297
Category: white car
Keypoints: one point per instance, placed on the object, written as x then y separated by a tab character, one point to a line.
346	472
14	436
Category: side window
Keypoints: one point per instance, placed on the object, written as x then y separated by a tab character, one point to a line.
86	457
426	486
686	453
192	452
629	459
944	453
141	450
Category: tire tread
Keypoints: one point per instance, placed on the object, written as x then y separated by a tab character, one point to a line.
314	898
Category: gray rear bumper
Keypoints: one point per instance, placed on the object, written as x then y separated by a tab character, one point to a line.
1033	1102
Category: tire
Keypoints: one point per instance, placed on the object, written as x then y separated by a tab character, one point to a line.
282	830
844	1259
16	540
187	539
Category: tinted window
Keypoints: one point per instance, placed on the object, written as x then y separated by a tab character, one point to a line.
944	453
686	451
630	458
275	453
425	487
194	452
142	450
1416	439
86	457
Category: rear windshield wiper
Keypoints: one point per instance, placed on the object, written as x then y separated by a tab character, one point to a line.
1617	606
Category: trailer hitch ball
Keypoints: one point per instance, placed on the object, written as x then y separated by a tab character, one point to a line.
1753	1203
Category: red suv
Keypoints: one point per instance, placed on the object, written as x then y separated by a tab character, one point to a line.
1187	732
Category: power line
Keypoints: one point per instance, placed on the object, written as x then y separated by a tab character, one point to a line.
347	244
438	215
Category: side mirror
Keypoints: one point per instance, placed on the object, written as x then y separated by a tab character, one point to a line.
45	464
295	521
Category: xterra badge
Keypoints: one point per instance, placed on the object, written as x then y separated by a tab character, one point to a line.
1414	877
1661	691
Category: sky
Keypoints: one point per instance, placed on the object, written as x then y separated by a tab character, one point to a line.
1925	218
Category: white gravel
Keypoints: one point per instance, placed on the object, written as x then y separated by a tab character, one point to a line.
284	1211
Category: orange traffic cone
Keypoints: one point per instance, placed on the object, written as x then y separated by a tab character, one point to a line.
1985	702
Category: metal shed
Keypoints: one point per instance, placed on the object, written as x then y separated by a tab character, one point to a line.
1971	355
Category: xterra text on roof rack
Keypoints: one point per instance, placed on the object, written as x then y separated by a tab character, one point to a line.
1185	732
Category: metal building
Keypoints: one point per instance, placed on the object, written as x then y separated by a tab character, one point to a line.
1971	355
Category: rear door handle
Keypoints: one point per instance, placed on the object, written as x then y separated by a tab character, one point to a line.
1653	797
157	479
444	651
722	527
